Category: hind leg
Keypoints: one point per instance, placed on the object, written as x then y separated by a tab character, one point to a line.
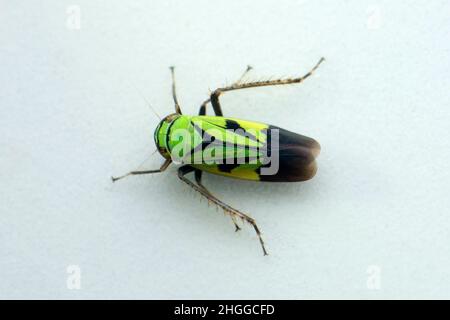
214	98
182	171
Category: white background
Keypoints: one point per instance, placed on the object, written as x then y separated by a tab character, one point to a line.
373	223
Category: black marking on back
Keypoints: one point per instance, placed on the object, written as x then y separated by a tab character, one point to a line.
233	125
225	167
236	127
204	143
214	140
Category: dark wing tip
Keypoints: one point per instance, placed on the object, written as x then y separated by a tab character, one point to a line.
297	154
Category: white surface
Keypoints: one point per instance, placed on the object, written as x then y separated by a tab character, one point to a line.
69	119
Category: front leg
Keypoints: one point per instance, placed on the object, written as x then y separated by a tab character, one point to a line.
161	169
174	91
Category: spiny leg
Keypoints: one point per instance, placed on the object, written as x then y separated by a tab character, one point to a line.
174	92
243	75
182	171
161	169
218	111
198	179
235	224
216	93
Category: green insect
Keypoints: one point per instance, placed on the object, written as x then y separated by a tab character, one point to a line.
233	147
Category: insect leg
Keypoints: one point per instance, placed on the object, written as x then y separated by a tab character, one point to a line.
216	93
161	169
182	171
198	179
218	109
174	93
243	75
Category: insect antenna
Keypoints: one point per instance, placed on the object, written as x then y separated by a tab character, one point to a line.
145	100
